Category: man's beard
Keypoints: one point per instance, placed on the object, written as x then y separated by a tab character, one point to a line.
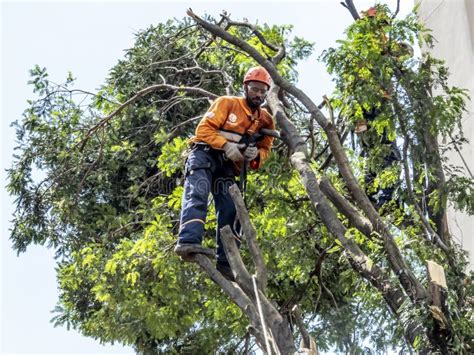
255	103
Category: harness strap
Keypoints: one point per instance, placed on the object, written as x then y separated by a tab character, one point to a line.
194	168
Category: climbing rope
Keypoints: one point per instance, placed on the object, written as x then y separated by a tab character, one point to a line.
262	320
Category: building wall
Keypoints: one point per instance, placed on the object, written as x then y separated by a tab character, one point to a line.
452	23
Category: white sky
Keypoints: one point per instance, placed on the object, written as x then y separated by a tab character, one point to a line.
88	38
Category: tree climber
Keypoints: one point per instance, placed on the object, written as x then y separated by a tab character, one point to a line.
369	138
216	156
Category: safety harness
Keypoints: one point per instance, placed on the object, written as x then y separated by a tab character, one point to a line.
250	138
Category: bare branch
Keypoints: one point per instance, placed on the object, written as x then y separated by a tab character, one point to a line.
64	89
196	67
456	148
103	121
167	61
209	41
397	10
257	33
349	5
176	127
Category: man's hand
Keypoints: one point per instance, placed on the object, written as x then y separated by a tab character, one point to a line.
251	153
232	151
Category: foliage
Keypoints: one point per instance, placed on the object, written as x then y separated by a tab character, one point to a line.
105	193
406	99
375	69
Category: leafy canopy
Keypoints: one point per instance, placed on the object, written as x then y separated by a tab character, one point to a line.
109	196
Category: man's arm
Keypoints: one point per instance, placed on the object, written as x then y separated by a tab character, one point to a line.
208	129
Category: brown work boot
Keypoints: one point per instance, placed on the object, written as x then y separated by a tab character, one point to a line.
187	250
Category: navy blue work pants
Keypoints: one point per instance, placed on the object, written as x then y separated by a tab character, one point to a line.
207	172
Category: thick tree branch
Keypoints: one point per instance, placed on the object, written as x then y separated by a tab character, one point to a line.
345	207
235	293
251	237
241	274
302	327
279	329
349	5
432	156
393	296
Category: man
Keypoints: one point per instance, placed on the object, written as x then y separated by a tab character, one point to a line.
215	159
371	140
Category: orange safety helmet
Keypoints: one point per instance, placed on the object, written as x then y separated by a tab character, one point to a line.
370	12
258	74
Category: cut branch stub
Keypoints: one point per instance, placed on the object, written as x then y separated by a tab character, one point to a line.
251	237
235	293
241	274
281	336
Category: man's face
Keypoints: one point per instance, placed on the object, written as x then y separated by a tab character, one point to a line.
255	93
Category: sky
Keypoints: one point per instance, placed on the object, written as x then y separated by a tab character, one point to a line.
88	38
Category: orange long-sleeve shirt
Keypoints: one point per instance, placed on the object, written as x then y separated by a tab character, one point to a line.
232	114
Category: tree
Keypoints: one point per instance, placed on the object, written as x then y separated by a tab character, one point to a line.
328	262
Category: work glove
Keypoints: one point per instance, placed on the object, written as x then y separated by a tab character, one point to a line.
251	153
232	151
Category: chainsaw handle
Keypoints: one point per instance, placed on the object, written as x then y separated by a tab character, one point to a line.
270	132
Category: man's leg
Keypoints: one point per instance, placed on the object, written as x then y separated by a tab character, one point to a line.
194	203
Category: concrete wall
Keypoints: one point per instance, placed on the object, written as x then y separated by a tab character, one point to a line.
452	23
